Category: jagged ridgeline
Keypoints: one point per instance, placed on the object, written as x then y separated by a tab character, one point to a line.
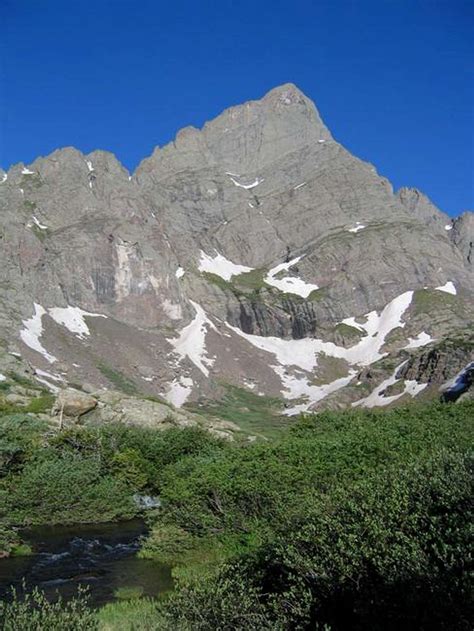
251	265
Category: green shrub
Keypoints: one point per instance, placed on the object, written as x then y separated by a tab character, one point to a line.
387	552
21	436
32	612
129	466
9	540
354	520
165	543
65	491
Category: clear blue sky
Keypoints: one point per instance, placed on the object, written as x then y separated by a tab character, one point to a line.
393	79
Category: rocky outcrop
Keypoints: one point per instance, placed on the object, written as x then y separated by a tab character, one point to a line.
461	387
441	362
115	407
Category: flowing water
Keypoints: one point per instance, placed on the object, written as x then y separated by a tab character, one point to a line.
102	557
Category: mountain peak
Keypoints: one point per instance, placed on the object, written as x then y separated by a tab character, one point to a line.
287	93
254	251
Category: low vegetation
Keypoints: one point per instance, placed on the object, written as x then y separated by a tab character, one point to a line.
117	379
427	300
353	520
253	413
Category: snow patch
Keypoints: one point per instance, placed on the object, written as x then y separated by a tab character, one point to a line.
37	223
180	272
358	226
51	386
89	166
289	284
376	398
179	391
299	387
422	339
303	353
48	375
448	226
2	377
26	171
221	266
448	287
4	178
247	187
412	387
73	319
33	328
191	342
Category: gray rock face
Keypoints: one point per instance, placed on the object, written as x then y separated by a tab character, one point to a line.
463	237
421	207
130	281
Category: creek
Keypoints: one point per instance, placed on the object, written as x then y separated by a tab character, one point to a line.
101	557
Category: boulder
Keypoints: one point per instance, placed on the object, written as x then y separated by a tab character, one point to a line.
73	403
17	399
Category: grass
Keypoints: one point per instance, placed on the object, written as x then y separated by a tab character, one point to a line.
463	343
348	331
427	300
40	233
252	413
138	614
119	380
329	369
129	592
214	279
317	294
253	281
21	550
21	380
244	284
40	404
37	405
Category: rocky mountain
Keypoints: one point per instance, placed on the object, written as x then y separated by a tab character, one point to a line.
256	252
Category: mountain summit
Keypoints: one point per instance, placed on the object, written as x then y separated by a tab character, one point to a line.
255	253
